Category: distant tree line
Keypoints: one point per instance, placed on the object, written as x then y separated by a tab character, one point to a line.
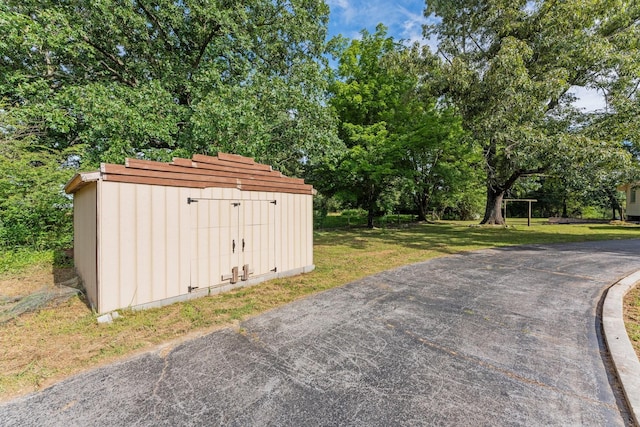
381	126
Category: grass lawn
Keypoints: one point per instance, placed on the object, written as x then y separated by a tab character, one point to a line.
39	348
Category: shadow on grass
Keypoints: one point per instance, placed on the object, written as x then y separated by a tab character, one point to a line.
453	238
62	266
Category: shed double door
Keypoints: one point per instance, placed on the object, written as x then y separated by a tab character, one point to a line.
228	234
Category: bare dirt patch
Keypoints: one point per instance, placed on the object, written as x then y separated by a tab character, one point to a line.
37	287
34	279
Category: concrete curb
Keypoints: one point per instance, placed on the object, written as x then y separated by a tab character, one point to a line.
624	357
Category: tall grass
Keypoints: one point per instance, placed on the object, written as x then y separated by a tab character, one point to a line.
18	260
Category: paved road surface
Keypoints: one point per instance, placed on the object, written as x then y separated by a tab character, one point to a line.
494	337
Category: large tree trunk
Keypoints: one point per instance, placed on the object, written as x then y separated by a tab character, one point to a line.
372	196
421	203
493	209
370	216
495	194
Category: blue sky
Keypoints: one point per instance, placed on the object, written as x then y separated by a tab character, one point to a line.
405	19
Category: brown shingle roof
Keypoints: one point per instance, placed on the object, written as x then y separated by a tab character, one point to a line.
223	170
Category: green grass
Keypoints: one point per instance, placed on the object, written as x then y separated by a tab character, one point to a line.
358	218
18	260
40	347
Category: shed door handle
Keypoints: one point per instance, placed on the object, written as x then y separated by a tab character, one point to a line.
242	245
233	246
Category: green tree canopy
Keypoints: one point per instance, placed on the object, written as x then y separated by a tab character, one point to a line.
439	163
365	95
510	67
34	211
163	77
398	137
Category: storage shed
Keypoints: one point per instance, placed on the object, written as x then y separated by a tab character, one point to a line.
632	191
151	233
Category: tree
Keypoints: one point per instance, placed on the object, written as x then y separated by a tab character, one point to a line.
395	132
157	78
438	161
510	67
594	174
34	211
365	94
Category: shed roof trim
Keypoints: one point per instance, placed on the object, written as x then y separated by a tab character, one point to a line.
628	185
223	170
79	180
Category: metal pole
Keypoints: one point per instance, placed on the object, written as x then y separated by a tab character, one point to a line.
529	218
505	211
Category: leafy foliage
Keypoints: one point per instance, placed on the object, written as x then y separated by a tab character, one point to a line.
510	68
398	139
155	79
99	81
364	95
34	210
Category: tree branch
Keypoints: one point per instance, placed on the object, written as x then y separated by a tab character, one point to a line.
444	56
519	173
634	90
553	103
203	47
114	59
613	30
109	55
484	52
156	24
118	75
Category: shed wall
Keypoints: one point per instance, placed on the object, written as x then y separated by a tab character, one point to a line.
144	243
154	245
633	201
85	239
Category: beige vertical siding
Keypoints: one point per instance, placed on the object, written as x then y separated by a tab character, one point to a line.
222	217
307	229
633	209
85	239
154	246
144	244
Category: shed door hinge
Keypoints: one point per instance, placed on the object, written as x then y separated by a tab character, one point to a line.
190	200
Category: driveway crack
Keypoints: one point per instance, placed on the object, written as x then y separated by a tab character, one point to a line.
510	374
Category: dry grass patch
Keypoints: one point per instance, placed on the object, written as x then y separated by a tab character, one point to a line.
45	346
632	317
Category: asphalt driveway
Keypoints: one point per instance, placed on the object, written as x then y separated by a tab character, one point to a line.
493	337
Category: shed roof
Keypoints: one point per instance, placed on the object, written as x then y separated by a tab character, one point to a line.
626	186
223	170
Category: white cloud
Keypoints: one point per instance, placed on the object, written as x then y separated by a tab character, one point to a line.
342	11
588	100
404	19
412	29
412	25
